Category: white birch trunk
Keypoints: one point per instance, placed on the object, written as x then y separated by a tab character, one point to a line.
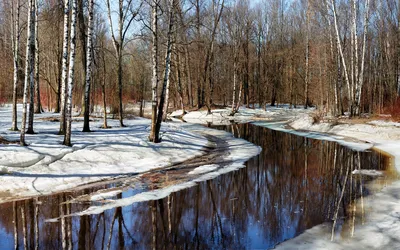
339	45
30	44
64	73
234	83
361	78
154	81
68	109
166	72
16	41
86	126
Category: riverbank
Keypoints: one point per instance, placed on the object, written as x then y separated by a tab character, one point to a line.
46	166
382	231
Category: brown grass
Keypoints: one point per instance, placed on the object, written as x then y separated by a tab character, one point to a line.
7	142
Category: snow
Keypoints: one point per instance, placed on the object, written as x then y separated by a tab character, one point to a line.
367	172
382	230
105	195
203	169
46	166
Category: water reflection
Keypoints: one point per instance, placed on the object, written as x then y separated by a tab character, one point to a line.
294	184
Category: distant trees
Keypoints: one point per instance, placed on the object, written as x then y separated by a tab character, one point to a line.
340	55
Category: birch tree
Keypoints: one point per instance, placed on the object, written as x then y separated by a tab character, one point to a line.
29	73
167	70
15	13
126	15
68	108
154	81
64	65
32	25
360	79
355	79
89	53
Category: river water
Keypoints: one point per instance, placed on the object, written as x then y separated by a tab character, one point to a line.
294	184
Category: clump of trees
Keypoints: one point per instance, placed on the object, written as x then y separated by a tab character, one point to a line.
340	55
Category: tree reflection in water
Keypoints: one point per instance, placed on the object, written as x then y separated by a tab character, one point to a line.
294	184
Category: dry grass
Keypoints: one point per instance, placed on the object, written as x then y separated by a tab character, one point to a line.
7	142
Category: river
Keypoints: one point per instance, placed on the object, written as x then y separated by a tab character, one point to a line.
294	184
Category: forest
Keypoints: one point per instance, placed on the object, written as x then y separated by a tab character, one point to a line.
98	57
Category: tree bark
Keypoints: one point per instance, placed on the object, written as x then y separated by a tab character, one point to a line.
16	42
361	77
167	70
68	110
86	125
30	47
307	79
83	47
32	24
64	74
38	106
154	85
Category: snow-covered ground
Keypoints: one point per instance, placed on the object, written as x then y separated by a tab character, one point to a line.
46	166
223	117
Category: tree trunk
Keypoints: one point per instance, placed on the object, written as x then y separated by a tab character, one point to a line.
16	41
86	126
83	47
160	114
307	79
340	49
398	49
64	74
68	110
154	54
30	47
32	69
361	77
103	88
38	106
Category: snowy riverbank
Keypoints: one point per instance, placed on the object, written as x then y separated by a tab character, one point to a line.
382	230
46	166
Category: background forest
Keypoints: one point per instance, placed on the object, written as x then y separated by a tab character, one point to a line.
338	55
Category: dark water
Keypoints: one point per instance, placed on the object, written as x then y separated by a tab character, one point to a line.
294	184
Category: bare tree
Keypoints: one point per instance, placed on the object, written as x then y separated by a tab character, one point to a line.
32	72
64	74
167	70
29	72
68	108
38	107
15	13
86	126
126	15
154	81
307	76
